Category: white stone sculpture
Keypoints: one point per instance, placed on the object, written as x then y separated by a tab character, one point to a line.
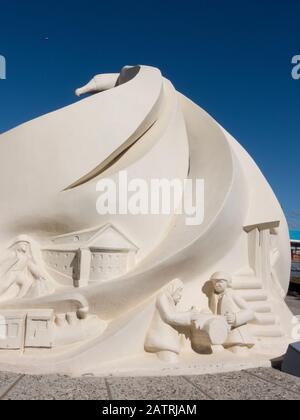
85	282
225	302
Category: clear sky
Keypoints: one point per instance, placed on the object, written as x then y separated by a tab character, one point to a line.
232	57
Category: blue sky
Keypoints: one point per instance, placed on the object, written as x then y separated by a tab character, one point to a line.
231	57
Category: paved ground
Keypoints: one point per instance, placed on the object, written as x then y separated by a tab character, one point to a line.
294	304
255	384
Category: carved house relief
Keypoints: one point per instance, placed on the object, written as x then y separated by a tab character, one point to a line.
91	256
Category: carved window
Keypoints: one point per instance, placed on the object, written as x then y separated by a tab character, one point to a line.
107	265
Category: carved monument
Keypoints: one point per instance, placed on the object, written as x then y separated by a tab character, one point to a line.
83	292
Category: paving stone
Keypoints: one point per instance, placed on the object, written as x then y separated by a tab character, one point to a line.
255	384
292	383
241	386
6	381
166	388
55	387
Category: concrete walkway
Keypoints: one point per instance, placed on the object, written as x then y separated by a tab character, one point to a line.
255	384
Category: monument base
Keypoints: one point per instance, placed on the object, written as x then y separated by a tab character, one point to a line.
150	366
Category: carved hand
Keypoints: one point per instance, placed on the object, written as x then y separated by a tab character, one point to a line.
231	318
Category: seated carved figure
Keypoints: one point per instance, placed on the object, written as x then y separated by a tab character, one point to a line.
225	302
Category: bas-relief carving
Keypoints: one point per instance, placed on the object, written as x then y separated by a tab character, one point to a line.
94	256
69	329
22	274
168	323
57	292
12	330
42	328
163	337
264	253
82	258
225	302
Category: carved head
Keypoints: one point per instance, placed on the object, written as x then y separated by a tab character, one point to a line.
221	281
22	247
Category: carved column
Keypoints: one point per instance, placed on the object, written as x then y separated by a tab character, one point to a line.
259	240
84	258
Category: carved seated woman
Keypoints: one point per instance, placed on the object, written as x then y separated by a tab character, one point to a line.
225	302
21	276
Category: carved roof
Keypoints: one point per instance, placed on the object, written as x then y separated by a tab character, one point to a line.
105	237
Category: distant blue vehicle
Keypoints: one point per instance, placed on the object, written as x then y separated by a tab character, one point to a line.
295	251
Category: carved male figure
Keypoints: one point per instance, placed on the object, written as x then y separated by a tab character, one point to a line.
225	302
